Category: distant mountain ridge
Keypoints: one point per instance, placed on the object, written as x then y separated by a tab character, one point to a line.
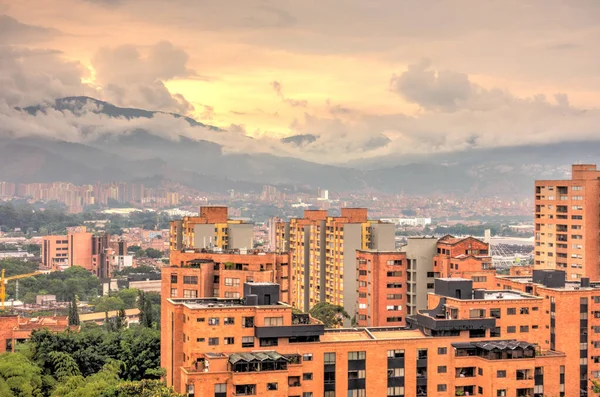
202	164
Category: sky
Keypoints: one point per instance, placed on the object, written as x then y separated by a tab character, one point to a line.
369	78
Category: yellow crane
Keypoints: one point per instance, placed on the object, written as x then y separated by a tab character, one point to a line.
5	280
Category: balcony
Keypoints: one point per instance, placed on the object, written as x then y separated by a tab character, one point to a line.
465	372
294	381
464	391
258	362
245	390
524	374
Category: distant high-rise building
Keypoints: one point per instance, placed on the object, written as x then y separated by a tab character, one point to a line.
211	229
567	223
323	254
78	248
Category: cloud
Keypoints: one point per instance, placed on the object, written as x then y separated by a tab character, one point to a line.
134	77
32	76
292	102
14	32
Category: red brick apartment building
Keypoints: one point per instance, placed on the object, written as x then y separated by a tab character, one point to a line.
567	223
570	320
259	346
15	329
465	257
78	248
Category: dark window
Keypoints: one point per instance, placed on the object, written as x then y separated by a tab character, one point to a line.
213	341
511	311
511	329
271	386
442	350
524	328
441	387
442	369
174	278
501	374
307	376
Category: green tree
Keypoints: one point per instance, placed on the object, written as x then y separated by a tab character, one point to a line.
108	303
64	366
19	377
129	297
29	298
145	306
121	320
331	315
153	253
73	312
133	248
144	388
94	385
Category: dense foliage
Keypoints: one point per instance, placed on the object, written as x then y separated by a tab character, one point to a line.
54	220
96	362
73	281
331	315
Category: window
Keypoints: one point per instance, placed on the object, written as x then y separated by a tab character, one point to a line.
310	394
190	293
511	329
173	292
479	279
307	357
442	350
247	341
273	321
232	282
307	376
329	358
229	321
393	319
200	319
501	374
229	340
174	278
442	369
395	391
200	340
501	393
213	341
394	274
357	356
247	322
395	372
265	342
393	296
213	321
524	328
394	285
271	386
357	374
395	353
190	279
524	310
392	308
232	295
496	313
511	311
441	387
495	332
220	388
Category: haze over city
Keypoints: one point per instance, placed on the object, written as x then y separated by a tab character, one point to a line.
361	198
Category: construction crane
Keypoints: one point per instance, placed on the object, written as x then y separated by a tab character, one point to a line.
5	280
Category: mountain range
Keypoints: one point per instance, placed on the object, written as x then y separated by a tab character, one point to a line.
204	165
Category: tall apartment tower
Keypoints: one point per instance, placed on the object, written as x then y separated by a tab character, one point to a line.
567	220
323	254
209	230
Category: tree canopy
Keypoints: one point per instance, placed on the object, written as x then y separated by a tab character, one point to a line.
331	315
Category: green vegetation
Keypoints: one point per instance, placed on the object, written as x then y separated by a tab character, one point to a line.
54	220
73	312
331	315
73	281
150	253
96	362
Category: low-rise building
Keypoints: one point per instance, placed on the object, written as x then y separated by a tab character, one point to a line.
15	329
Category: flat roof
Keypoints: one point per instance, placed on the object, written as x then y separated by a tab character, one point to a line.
398	334
212	303
507	295
341	336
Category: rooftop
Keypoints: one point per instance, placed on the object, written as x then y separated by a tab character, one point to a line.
507	295
211	303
